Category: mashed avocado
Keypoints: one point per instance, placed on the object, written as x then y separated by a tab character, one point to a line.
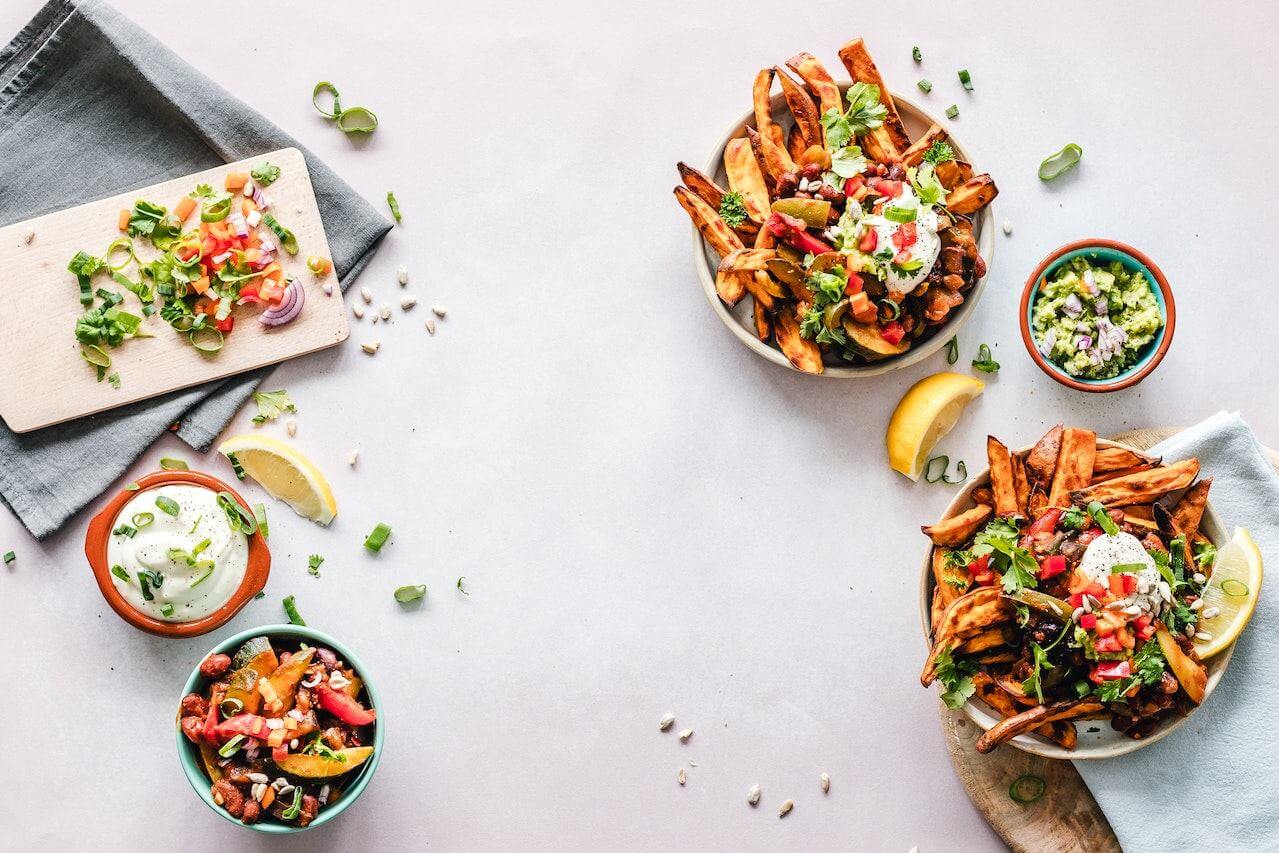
1092	320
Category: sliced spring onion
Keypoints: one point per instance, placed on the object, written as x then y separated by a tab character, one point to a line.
394	205
325	87
952	349
120	244
961	474
166	609
935	471
924	86
132	487
208	567
259	512
459	585
230	707
405	594
966	79
1103	519
1127	568
901	214
1056	165
952	111
120	572
375	540
984	362
168	463
889	310
147	580
291	611
9	557
206	339
295	808
1230	586
917	54
200	546
216	212
286	237
232	746
357	120
236	515
95	355
236	466
168	505
142	519
196	523
1027	788
125	530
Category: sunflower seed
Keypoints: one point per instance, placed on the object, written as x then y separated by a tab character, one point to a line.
825	783
28	236
1008	226
692	763
753	795
1210	612
327	287
1074	617
1203	636
1197	604
375	318
354	455
407	302
786	808
257	777
665	723
324	795
386	311
358	310
1189	631
685	735
291	426
1132	610
430	326
371	347
258	790
366	295
1199	577
439	311
1165	591
681	776
402	275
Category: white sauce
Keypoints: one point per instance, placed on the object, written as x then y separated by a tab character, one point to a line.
199	518
1106	551
926	248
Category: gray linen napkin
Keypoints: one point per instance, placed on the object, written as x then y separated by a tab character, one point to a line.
91	105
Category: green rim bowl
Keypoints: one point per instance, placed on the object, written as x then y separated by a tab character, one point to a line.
1105	251
189	754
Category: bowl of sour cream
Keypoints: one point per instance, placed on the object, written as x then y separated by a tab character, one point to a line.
177	554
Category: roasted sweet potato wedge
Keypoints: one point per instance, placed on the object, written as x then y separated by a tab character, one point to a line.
1033	718
1103	476
1001	703
1074	464
914	155
730	285
715	230
952	582
763	322
1041	462
803	354
743	260
955	531
1189	672
972	195
773	159
1189	510
803	109
1142	487
762	98
1021	484
818	80
701	185
967	616
887	142
1118	458
1001	478
744	177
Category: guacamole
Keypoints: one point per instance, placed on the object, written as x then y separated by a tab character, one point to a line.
1092	320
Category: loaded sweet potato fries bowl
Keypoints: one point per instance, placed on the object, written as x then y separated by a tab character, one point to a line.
854	242
1069	589
281	727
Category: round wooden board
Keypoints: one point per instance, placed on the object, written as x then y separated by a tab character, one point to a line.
1066	819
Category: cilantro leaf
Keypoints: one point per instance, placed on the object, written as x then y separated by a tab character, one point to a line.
865	112
1074	518
847	161
1017	566
732	209
313	564
927	187
266	174
144	218
956	677
271	404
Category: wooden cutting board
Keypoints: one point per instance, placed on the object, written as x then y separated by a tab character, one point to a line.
45	381
1066	819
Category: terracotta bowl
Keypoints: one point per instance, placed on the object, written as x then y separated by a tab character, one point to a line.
95	549
1105	742
1097	248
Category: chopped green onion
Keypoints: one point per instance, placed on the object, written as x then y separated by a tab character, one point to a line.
394	205
313	564
1056	165
237	516
147	580
924	86
917	54
124	244
208	566
203	543
900	214
1103	519
125	530
236	466
168	505
142	519
952	111
1226	586
259	513
935	471
168	463
196	524
96	356
889	310
459	585
1127	568
984	362
206	339
166	609
966	79
405	594
120	572
296	808
961	474
1027	788
952	349
232	746
378	537
357	120
9	557
132	487
327	87
260	594
291	611
230	707
287	240
114	379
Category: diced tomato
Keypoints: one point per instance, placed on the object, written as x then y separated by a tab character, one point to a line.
1088	622
1110	670
892	332
1116	583
343	706
984	579
1052	566
1095	589
1144	625
854	285
979	566
892	189
279	753
225	325
1107	644
868	242
853	184
1046	523
1130	583
249	725
1125	638
905	236
205	305
1075	600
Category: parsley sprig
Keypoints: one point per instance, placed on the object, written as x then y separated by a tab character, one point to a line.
732	209
957	677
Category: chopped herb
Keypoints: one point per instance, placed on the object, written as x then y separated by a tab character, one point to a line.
237	516
865	113
939	152
357	120
732	209
266	174
1017	565
291	611
114	380
917	54
1230	586
120	572
957	677
168	463
272	404
375	540
966	79
232	746
924	86
145	217
1205	553
459	585
395	206
329	89
405	594
236	466
142	519
259	513
313	564
125	530
1147	668
147	580
167	505
1127	568
1074	518
984	362
952	349
952	111
260	594
900	214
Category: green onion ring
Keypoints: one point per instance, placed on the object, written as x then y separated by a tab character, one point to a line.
326	86
362	120
900	214
1056	165
952	349
961	474
124	244
1037	788
207	340
894	310
1235	584
291	610
1102	518
217	211
142	519
95	355
936	477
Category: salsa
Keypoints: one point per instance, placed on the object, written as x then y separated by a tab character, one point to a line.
280	727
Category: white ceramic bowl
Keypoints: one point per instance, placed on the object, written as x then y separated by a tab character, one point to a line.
1105	743
738	318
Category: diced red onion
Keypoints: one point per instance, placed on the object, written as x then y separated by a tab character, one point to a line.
1083	342
1072	306
290	306
260	199
1049	341
1090	282
1101	307
237	222
266	245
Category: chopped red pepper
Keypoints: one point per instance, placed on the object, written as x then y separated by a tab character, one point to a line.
279	753
1076	600
1116	583
795	232
1144	625
892	189
853	184
1088	621
1130	583
1108	644
892	332
1046	523
225	325
343	707
1095	589
868	242
980	565
854	284
1110	670
250	725
1052	566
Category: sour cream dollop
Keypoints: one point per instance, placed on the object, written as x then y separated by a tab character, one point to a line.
197	558
925	248
1106	551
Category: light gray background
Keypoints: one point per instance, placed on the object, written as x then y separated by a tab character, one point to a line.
649	516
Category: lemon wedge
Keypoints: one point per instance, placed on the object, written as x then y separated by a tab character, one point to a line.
1231	594
286	473
929	410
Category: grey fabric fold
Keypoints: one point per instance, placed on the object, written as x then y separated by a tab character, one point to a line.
91	105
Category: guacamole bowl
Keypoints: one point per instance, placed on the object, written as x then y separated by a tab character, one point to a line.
1101	251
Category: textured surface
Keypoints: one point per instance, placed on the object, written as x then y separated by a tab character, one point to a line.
650	517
